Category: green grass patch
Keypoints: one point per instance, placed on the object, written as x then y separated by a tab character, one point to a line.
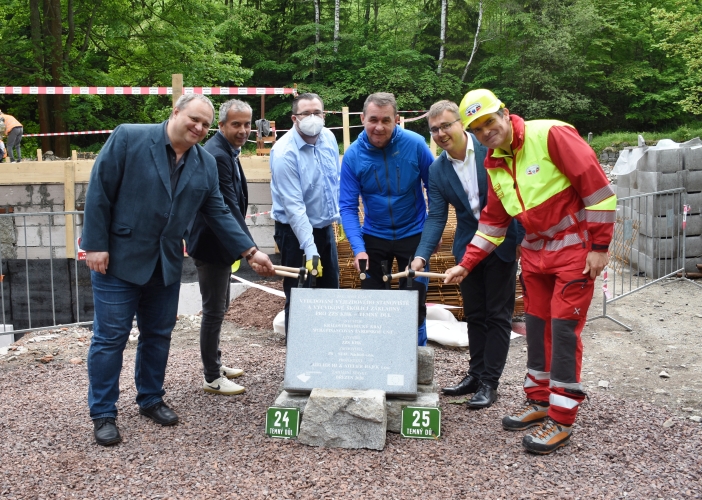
623	139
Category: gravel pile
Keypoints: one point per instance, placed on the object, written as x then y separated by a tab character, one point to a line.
620	447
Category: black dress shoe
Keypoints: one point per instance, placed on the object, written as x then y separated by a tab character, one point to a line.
468	385
160	413
485	396
106	431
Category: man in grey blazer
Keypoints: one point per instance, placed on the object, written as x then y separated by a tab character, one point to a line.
458	177
145	187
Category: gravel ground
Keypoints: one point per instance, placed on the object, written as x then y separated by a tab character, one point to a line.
622	445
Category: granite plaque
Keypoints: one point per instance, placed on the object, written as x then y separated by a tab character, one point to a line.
352	339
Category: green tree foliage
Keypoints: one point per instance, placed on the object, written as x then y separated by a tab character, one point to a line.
599	64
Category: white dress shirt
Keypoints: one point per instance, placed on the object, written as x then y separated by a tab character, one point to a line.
468	176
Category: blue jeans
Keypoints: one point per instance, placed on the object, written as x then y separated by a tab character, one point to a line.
116	301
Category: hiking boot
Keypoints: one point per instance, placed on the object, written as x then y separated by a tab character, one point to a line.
223	386
548	437
225	371
534	414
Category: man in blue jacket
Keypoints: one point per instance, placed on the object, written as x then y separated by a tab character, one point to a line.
212	259
458	177
145	188
387	166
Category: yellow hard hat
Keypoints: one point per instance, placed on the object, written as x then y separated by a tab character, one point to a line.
477	103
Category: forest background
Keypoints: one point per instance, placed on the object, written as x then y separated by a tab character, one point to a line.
602	65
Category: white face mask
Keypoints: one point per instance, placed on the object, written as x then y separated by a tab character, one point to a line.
311	126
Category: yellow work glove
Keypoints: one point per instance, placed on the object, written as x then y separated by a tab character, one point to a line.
342	233
308	265
235	266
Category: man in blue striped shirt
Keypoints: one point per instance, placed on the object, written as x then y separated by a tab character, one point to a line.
305	192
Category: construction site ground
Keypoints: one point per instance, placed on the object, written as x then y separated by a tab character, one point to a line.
636	437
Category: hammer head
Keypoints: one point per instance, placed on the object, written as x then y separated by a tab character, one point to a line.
313	273
362	263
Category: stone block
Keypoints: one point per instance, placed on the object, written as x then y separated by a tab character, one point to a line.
259	193
345	418
650	182
627	180
695	202
692	158
425	365
263	236
60	253
693	246
656	227
622	192
58	237
657	248
662	160
694	225
288	400
424	388
38	252
47	195
14	195
259	220
29	216
29	236
694	181
395	406
654	268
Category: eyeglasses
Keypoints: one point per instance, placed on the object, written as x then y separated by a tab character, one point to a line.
444	127
318	114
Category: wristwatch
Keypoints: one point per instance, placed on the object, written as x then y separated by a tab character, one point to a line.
251	254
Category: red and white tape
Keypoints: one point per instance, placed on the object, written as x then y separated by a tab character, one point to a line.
146	90
605	286
69	133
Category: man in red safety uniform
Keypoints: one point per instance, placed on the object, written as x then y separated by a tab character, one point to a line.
543	174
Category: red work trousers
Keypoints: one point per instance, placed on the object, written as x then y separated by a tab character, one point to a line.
557	296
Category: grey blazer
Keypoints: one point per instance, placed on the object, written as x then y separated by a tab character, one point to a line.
445	188
131	213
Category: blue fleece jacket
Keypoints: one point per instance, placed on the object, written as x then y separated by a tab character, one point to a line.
389	181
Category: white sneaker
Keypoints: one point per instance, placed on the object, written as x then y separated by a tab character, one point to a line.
222	386
225	371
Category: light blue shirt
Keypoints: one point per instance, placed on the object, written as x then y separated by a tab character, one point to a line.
305	185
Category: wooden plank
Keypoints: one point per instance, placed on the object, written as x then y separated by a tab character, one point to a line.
177	86
41	172
69	193
345	124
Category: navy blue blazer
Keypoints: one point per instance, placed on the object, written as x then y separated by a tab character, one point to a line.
445	188
203	243
131	213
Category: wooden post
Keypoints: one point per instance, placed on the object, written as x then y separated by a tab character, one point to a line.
345	125
177	85
69	204
263	106
402	122
40	155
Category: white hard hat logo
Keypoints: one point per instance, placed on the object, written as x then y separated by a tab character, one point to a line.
473	108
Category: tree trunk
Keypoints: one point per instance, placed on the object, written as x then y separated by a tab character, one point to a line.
316	31
337	9
53	32
444	9
475	41
42	104
367	15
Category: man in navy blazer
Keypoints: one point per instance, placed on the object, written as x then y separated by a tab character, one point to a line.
145	187
212	259
458	177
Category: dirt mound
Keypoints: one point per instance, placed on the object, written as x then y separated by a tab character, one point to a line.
255	308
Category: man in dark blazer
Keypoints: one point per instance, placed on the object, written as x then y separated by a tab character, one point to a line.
212	258
145	187
458	177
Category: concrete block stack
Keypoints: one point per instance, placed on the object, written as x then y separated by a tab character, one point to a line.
658	247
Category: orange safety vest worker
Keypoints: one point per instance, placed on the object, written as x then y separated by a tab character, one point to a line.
10	123
554	185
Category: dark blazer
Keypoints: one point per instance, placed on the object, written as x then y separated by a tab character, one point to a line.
445	188
203	243
131	213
